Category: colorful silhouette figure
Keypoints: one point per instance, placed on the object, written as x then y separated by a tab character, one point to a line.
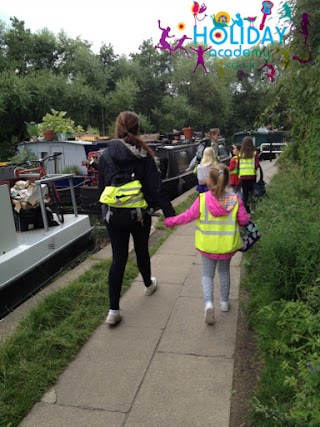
303	61
272	71
200	60
266	11
251	20
238	21
286	12
304	26
179	44
196	9
163	43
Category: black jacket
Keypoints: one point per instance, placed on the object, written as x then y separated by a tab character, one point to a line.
125	157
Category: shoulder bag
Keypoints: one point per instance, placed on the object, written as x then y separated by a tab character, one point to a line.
250	236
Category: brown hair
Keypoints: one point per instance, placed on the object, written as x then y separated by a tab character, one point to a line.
247	149
218	180
128	128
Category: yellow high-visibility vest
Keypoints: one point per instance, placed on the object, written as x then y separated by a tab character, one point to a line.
247	167
129	195
217	235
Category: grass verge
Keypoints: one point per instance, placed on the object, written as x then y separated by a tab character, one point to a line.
282	275
52	333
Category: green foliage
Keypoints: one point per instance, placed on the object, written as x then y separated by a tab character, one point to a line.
71	169
93	130
289	337
32	129
24	155
57	121
282	275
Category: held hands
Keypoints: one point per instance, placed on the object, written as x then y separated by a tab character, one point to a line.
168	222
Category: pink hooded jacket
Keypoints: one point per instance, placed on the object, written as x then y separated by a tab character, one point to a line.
216	208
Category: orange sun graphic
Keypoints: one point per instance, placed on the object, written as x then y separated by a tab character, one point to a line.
181	26
217	35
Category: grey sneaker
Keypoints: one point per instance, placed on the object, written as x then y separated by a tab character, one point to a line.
152	288
224	306
113	319
209	313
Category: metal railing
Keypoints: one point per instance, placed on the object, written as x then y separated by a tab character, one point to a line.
272	148
52	178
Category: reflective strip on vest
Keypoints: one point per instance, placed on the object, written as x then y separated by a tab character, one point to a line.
217	235
129	195
247	167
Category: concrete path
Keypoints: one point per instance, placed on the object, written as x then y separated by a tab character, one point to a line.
162	366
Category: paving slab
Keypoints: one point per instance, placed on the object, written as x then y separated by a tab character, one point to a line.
108	371
184	390
187	333
182	245
45	415
171	269
149	311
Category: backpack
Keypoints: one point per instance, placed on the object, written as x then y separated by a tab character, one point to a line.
119	178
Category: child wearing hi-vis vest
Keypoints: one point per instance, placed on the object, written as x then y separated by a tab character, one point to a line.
218	214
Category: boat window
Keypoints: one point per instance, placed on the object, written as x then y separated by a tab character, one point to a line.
182	160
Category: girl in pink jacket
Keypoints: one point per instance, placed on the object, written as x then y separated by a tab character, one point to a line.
218	214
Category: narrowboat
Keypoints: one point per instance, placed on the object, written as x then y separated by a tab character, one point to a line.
32	249
268	143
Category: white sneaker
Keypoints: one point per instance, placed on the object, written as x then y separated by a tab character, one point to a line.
209	313
224	306
152	288
113	319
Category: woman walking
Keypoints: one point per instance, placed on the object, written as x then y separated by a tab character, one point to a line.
130	189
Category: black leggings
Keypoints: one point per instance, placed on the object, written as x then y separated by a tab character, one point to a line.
119	237
247	189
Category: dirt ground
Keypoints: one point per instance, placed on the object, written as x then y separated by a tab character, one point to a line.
245	368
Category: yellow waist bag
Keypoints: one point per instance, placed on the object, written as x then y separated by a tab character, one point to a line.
129	195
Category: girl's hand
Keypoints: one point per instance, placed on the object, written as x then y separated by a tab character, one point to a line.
167	222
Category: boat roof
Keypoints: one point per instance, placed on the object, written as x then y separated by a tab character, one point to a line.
68	142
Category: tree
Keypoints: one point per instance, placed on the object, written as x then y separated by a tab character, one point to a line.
123	98
18	42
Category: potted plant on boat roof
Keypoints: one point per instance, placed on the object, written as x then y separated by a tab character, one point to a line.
59	124
32	130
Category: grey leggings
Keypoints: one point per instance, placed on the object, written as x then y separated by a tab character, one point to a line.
207	276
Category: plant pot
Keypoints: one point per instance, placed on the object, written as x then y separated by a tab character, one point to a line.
49	134
188	132
61	136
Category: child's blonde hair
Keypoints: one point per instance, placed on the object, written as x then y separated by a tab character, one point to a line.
208	157
218	180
